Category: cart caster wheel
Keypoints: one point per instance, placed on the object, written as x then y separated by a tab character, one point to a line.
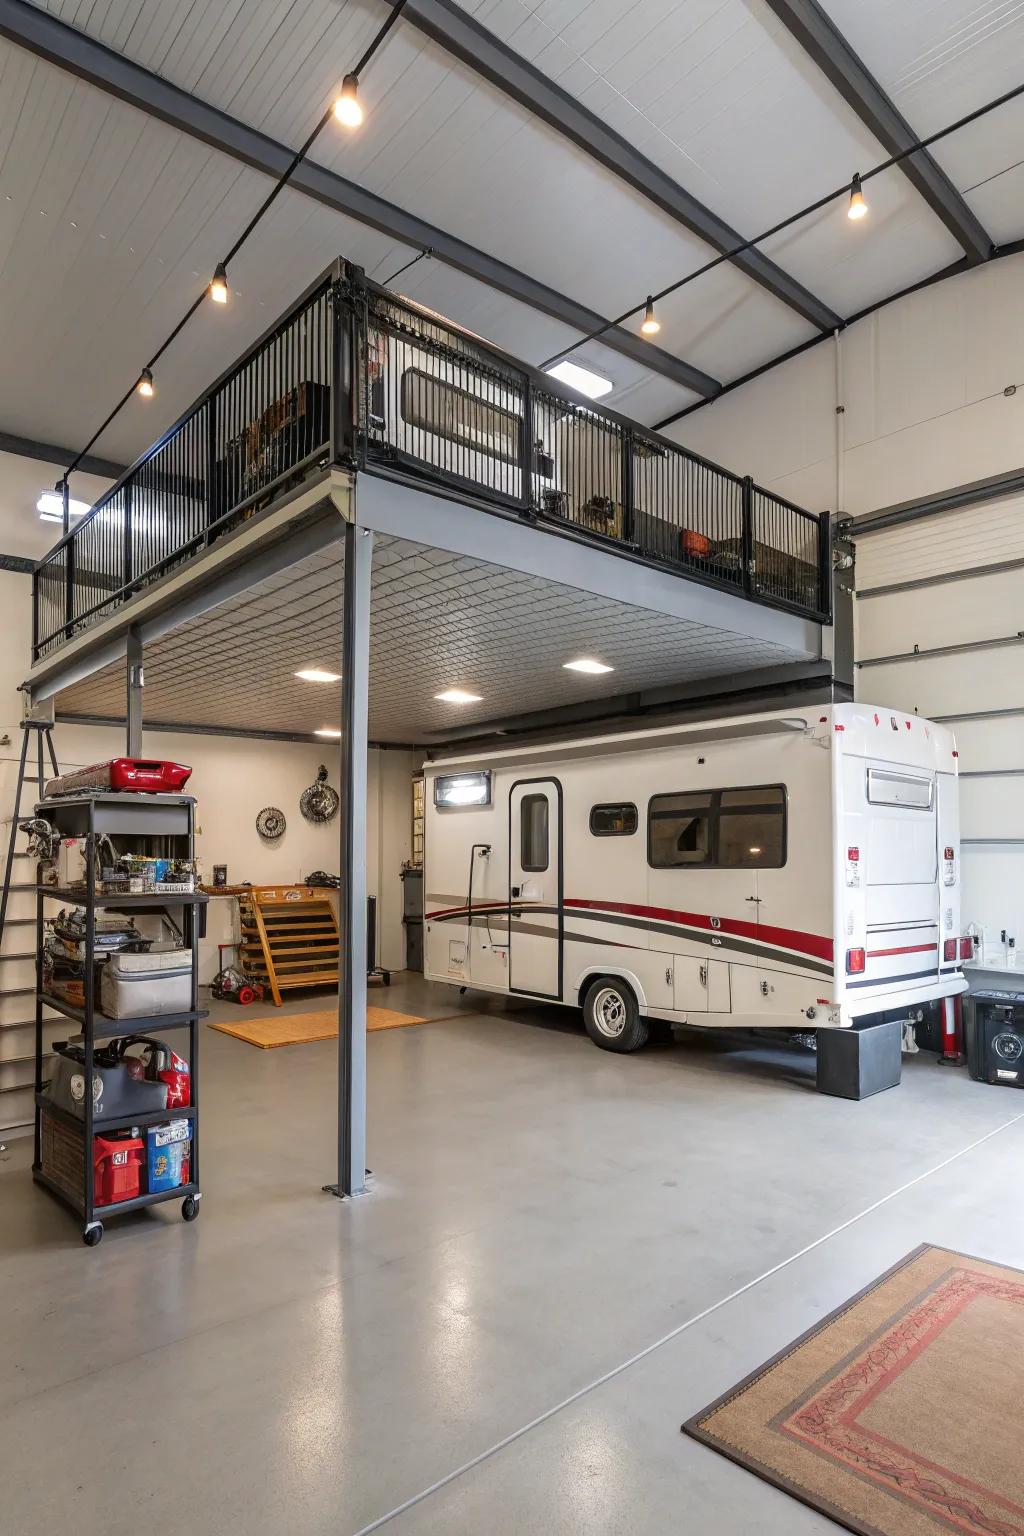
385	977
189	1208
93	1235
246	995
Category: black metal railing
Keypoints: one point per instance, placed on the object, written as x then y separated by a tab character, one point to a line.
353	374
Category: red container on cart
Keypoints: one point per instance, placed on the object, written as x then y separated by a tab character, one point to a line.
117	1168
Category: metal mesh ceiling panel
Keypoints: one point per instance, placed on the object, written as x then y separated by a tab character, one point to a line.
438	621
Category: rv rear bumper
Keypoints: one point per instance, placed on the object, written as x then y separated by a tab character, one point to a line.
858	1005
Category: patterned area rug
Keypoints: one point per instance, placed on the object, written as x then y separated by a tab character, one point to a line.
902	1414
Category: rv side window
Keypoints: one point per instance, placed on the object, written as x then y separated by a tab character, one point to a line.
613	820
752	828
679	830
533	832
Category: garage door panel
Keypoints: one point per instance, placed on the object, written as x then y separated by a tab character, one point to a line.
992	743
992	807
952	541
954	613
993	893
947	685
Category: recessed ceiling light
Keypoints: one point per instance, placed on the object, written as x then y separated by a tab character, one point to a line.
587	664
318	675
50	507
593	385
327	730
457	696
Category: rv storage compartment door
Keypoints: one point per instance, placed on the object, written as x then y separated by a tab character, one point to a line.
535	888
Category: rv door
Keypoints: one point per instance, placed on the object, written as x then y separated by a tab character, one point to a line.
535	888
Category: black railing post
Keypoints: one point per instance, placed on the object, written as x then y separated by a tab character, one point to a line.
69	589
747	556
526	447
345	351
65	496
627	486
126	552
825	565
213	498
35	613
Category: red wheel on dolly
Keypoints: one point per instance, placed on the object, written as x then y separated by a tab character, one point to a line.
246	995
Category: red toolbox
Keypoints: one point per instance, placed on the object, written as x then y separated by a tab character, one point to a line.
145	775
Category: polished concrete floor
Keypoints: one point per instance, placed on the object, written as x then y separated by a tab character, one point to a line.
564	1255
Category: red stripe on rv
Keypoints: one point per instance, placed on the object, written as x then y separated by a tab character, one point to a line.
764	933
906	949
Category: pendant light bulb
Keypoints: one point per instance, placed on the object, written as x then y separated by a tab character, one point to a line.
219	286
858	207
347	109
651	324
145	385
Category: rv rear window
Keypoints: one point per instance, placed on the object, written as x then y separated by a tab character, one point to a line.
885	787
613	820
533	832
718	829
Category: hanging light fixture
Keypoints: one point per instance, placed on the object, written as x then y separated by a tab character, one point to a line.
858	207
219	286
347	109
145	385
651	324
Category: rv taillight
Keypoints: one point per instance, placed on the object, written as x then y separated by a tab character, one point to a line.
855	960
949	853
950	948
853	854
966	949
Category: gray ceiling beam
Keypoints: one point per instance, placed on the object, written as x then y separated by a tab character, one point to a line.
446	23
45	36
825	44
49	453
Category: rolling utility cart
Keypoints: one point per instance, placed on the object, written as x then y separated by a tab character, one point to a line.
74	1152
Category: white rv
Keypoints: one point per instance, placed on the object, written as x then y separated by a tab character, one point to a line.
795	871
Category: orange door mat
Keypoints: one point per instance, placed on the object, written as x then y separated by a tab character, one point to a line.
300	1028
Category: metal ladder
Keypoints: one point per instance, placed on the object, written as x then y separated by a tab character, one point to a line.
17	1066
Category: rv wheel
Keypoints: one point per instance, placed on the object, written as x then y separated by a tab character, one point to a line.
612	1016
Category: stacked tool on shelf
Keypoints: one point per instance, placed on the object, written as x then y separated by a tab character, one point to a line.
117	1120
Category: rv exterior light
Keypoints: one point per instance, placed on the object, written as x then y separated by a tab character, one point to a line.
50	507
145	386
858	207
347	109
457	790
219	286
318	675
584	380
458	696
651	325
588	665
328	730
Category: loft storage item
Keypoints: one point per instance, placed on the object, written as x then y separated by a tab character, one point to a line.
447	411
289	937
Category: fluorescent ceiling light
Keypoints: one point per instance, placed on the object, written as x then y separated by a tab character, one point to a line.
593	385
457	696
318	675
50	507
328	730
587	664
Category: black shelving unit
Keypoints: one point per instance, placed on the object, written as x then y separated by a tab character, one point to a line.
124	817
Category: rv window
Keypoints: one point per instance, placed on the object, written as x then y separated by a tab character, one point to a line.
458	790
533	832
679	830
752	828
613	820
436	406
888	788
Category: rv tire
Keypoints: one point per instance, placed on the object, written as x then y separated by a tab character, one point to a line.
612	1016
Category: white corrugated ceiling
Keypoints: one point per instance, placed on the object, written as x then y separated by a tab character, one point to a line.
109	219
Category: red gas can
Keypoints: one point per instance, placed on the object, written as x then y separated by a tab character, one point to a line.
117	1168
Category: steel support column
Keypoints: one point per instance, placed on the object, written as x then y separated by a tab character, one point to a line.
133	700
355	674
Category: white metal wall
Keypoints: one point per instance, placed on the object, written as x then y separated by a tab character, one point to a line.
968	630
